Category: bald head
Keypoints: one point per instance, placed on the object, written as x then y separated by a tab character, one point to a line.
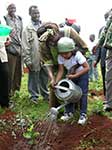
11	8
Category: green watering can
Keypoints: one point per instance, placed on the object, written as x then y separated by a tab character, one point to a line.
4	32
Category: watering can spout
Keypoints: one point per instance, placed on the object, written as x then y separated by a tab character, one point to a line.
63	88
54	112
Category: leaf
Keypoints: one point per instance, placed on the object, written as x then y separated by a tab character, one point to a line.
27	135
35	134
30	128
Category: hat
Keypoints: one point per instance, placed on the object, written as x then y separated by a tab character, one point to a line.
66	44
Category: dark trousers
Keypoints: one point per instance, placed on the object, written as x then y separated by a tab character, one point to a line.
15	73
38	83
82	82
103	67
4	96
103	72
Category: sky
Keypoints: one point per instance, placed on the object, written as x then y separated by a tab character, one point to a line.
89	14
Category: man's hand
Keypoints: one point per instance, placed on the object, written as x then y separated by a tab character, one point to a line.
30	67
94	64
8	42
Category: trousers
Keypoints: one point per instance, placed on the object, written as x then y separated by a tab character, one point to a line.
82	82
4	95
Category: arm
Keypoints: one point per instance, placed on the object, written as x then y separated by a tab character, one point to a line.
26	49
60	72
78	74
103	35
51	75
76	37
50	72
98	56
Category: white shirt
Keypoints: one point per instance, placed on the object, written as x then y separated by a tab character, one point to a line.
91	45
3	54
78	58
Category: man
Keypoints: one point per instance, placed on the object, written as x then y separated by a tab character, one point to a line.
37	80
49	35
101	55
14	49
106	41
93	72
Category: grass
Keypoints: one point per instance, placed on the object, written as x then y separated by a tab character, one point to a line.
31	113
23	105
25	108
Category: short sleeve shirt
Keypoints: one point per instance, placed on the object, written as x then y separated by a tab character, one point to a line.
78	58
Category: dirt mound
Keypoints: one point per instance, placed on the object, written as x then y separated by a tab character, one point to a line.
95	135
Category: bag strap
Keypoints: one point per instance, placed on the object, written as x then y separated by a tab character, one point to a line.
67	31
6	20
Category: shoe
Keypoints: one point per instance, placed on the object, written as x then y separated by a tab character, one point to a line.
11	105
82	120
107	108
35	101
67	116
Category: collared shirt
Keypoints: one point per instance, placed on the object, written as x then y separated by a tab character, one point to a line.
30	47
36	25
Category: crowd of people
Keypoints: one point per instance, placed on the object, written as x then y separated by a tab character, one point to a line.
50	51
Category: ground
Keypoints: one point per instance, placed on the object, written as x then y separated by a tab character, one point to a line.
95	135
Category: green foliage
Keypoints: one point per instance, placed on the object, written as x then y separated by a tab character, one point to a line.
109	114
1	110
85	144
96	106
95	103
23	105
96	85
31	134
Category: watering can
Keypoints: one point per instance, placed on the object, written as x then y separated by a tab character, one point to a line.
67	91
4	32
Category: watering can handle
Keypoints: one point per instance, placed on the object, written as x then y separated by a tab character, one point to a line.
62	88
